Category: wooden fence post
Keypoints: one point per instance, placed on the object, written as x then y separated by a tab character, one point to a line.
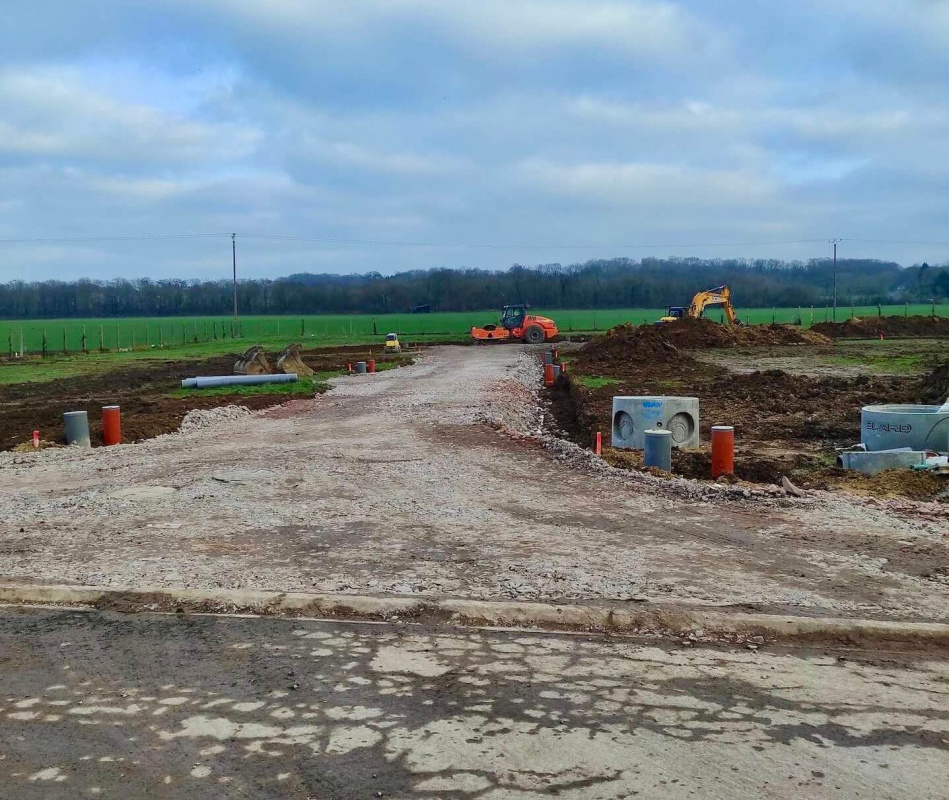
44	342
64	340
101	340
85	349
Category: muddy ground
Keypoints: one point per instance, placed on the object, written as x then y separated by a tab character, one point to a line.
144	390
787	422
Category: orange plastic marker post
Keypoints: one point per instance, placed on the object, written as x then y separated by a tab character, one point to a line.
723	450
111	425
36	439
598	444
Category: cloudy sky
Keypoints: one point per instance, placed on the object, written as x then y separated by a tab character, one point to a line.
539	130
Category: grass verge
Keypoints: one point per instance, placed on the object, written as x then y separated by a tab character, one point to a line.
595	381
304	386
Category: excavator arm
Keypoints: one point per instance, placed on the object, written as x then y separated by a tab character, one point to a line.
720	296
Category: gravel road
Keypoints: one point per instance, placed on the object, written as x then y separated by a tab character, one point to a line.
430	480
97	705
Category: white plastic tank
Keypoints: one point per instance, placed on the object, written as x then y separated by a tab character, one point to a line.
887	427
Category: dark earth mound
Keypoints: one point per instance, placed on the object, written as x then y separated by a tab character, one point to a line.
871	327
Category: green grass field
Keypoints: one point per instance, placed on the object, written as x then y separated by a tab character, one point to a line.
211	335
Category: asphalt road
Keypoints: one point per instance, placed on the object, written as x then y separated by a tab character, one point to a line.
102	705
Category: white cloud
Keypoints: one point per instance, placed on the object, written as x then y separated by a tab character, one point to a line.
647	184
353	155
634	28
50	111
497	121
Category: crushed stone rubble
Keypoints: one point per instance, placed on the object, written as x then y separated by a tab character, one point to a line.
239	521
203	418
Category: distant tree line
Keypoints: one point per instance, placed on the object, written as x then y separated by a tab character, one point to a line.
609	283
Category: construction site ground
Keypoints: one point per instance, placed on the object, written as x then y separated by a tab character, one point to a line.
793	396
148	392
440	479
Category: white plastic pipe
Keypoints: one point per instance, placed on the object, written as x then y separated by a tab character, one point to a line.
213	381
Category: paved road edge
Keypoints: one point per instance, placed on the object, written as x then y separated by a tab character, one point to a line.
691	622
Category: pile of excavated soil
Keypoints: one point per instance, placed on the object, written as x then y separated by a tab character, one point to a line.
774	404
934	387
872	327
665	342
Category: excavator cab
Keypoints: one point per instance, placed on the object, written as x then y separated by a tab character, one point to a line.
513	316
672	314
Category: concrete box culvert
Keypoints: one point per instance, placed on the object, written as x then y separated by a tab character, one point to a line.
634	415
886	427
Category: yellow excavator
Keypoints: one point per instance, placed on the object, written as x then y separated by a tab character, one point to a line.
719	296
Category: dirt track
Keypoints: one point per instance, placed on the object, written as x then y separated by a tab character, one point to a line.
398	483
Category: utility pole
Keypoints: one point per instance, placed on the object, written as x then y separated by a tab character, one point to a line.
234	262
834	243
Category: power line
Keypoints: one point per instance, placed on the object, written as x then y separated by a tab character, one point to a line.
143	238
519	246
896	241
449	245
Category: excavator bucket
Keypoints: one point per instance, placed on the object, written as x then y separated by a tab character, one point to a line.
289	361
253	362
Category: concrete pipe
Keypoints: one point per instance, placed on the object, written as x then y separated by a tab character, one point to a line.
76	424
555	371
657	449
361	367
888	427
